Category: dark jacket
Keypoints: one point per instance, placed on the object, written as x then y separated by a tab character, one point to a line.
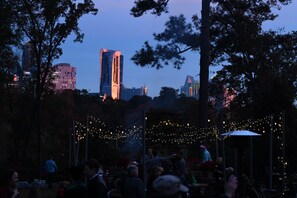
76	190
133	188
96	189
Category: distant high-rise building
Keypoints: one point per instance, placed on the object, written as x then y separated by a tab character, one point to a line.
64	77
191	87
28	64
111	73
128	93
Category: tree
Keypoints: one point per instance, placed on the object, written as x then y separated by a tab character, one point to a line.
47	24
235	26
181	34
167	98
252	58
142	6
9	38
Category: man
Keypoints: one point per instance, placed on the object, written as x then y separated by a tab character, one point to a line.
169	186
96	188
50	170
205	154
133	186
77	189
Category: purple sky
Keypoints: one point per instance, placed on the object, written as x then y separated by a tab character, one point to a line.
114	28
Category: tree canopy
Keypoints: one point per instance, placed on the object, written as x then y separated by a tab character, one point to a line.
45	25
255	62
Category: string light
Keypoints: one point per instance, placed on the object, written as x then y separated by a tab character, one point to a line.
169	132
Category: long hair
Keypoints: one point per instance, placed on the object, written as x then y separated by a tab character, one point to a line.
5	178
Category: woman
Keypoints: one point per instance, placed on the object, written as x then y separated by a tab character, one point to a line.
8	185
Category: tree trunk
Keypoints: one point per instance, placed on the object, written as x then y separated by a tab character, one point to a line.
204	63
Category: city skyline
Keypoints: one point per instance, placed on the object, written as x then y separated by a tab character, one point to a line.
114	28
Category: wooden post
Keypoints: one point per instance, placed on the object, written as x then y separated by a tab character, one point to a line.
271	153
87	140
144	149
70	147
251	158
283	153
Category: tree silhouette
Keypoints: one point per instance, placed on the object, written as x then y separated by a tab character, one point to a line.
47	24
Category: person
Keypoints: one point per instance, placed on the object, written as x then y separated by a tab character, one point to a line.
218	171
77	188
181	167
115	190
50	170
133	186
34	190
230	187
153	175
61	190
169	186
8	184
96	188
205	154
149	155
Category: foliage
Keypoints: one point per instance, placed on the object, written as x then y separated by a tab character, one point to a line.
252	58
167	98
142	6
136	101
47	24
171	51
259	66
178	37
10	37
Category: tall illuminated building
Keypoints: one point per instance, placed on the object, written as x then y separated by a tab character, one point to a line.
111	73
191	87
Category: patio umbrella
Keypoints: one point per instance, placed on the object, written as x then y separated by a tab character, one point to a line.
240	133
240	144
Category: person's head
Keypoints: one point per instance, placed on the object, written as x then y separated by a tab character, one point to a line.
150	151
14	179
219	160
169	186
91	168
9	178
158	171
202	147
133	163
180	154
132	171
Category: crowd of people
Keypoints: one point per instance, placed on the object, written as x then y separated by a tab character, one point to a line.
166	177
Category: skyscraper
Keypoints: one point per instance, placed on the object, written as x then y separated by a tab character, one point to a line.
28	64
111	73
64	77
191	87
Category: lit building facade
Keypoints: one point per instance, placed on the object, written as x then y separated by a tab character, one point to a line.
128	93
64	77
191	87
111	73
28	63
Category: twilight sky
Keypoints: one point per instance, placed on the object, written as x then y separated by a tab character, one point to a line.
114	28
